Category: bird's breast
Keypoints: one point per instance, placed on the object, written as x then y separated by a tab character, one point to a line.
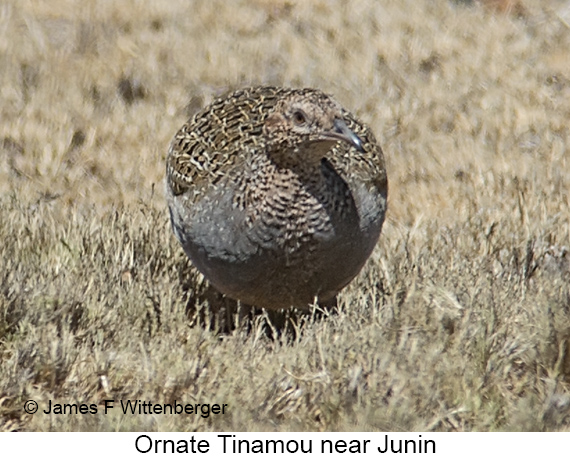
294	215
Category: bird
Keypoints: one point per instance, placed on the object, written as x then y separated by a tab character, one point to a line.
277	195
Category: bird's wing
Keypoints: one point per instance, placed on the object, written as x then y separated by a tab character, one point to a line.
218	138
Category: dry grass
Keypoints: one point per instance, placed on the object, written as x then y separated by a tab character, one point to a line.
460	321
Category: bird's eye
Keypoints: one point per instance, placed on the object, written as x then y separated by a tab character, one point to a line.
299	117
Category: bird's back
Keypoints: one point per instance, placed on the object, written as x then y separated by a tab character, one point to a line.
219	137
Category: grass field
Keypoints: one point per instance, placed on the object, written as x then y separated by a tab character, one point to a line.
461	319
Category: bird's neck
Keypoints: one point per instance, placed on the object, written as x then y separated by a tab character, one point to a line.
303	159
289	180
297	167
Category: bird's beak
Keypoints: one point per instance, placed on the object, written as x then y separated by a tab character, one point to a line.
341	132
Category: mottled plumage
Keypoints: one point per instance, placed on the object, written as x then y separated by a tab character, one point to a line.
277	195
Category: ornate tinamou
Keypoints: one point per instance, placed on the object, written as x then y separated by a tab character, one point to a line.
277	195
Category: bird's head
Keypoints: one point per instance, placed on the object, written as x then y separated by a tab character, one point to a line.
303	126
